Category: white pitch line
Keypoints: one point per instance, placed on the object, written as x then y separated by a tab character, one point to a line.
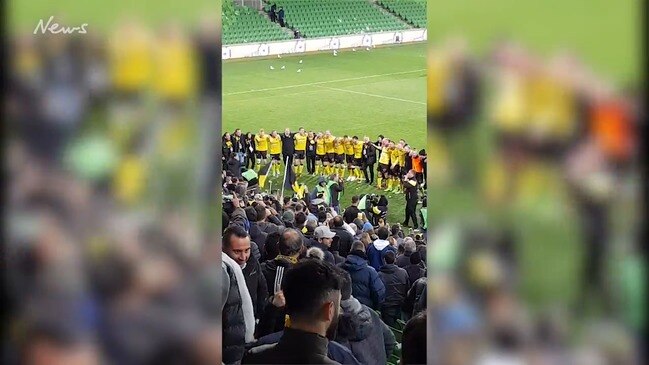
374	95
320	82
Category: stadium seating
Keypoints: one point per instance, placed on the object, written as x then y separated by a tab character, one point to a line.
336	17
242	24
412	11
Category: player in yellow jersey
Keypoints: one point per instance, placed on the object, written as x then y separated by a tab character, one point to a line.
384	162
330	159
261	148
358	158
320	154
339	150
395	169
300	150
174	73
348	143
130	67
275	147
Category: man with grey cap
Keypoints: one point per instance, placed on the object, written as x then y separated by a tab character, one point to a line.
322	238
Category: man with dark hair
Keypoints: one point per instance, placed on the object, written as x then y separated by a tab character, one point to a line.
288	148
236	244
345	238
352	211
256	235
377	250
414	340
414	269
396	284
411	186
290	247
312	295
367	286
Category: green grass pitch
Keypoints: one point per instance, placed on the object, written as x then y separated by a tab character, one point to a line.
605	35
363	93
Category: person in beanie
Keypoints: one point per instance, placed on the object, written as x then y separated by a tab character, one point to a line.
361	330
396	284
312	296
367	286
377	250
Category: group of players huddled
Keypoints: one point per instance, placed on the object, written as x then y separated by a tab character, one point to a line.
325	154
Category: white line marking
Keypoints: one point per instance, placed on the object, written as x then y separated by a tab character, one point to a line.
321	82
374	95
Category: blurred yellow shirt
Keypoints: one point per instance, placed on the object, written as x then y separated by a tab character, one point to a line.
329	144
175	70
509	108
275	145
261	143
385	156
349	147
130	180
358	149
300	142
320	146
339	148
438	74
130	60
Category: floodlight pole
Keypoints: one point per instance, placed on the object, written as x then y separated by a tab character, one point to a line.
281	198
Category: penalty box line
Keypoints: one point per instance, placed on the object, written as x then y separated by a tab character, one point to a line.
321	82
373	95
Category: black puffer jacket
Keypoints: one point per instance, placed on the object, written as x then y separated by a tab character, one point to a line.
396	284
273	318
257	286
361	330
234	327
416	299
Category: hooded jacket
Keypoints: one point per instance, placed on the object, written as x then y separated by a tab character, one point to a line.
367	286
376	251
361	330
396	284
328	256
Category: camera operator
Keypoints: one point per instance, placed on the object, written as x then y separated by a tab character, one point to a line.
410	187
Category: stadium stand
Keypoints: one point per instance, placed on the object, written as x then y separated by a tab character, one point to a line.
411	11
336	17
242	24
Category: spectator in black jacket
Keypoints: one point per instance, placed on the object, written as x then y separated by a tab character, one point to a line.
396	284
414	269
335	189
416	299
312	297
290	248
351	213
256	235
414	343
369	159
233	166
236	244
335	251
288	147
280	16
345	239
249	144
